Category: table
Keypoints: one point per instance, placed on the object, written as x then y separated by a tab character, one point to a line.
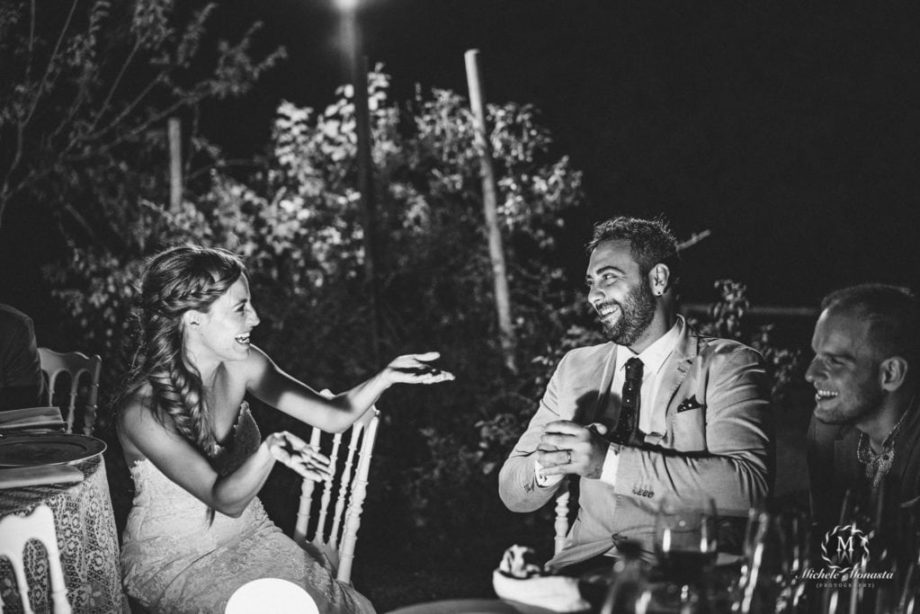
87	538
720	582
471	606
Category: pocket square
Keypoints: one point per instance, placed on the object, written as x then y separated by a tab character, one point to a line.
688	404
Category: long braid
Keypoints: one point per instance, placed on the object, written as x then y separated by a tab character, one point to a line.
176	281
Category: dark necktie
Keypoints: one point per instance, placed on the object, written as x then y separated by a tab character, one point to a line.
629	403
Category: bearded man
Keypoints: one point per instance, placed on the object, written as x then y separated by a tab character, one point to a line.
865	427
657	411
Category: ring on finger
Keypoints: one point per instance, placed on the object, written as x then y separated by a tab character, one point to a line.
568	457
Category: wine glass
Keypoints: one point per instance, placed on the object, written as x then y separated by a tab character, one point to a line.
686	546
775	553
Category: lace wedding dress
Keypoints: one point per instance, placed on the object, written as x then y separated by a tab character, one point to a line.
174	559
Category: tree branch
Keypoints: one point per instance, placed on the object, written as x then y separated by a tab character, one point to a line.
51	58
23	122
134	132
32	11
115	84
694	239
129	108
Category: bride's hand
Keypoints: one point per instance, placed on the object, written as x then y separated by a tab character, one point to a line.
300	456
416	369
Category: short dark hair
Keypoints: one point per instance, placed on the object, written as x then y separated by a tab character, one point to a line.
893	313
651	242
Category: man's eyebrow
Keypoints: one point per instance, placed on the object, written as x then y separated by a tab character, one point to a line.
839	355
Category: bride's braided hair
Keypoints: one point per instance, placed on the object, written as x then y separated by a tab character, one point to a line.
178	280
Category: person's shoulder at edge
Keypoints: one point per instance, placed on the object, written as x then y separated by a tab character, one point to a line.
9	313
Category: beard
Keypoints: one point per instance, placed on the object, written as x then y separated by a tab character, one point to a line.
860	401
636	313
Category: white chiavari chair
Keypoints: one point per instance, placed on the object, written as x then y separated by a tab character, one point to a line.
75	367
15	533
340	502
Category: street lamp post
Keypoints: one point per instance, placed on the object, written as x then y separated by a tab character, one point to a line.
357	68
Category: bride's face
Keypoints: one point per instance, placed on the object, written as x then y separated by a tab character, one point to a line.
223	331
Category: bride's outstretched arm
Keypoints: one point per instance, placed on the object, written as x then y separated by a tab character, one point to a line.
272	385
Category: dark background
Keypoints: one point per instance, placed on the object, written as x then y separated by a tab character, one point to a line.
791	130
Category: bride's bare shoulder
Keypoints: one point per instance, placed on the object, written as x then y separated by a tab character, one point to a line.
252	367
135	408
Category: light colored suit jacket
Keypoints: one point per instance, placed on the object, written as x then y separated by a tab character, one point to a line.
718	441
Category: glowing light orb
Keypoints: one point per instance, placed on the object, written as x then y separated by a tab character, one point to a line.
347	5
271	595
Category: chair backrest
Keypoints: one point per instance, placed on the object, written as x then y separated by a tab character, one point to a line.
15	532
340	501
77	367
561	525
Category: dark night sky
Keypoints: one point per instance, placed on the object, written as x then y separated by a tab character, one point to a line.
790	129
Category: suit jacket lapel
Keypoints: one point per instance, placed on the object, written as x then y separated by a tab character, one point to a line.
677	366
602	404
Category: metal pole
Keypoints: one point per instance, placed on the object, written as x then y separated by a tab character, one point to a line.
175	163
365	167
490	208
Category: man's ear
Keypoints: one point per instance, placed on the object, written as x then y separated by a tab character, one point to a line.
659	278
893	373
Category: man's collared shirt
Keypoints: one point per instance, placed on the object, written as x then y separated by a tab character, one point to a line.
652	416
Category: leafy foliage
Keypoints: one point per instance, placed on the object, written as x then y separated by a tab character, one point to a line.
85	96
297	222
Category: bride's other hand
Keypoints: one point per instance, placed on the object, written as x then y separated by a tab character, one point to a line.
416	369
300	456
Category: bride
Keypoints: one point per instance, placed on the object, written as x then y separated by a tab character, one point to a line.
197	531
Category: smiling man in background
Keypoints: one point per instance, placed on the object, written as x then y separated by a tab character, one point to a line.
865	430
657	411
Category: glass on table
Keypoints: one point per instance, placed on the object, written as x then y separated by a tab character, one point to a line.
775	552
686	546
